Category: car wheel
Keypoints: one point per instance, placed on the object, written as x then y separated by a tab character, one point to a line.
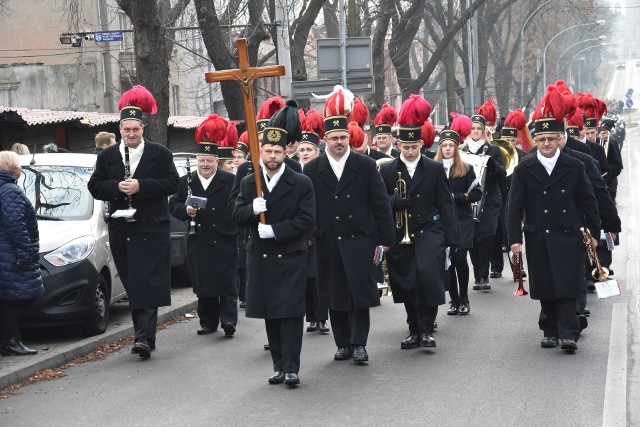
98	315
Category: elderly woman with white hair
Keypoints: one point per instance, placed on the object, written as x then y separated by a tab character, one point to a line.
20	279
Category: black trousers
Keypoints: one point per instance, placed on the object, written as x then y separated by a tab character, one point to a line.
285	343
481	256
350	327
10	316
242	284
558	318
581	301
314	312
214	309
145	321
499	241
420	317
459	276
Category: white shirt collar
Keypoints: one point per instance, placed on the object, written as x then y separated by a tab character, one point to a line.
338	165
411	166
548	162
474	146
271	182
135	154
206	181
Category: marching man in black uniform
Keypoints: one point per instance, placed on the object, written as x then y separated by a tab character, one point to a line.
137	177
550	190
353	222
277	251
212	252
420	196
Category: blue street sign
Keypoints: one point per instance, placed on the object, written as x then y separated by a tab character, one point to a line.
630	90
628	95
629	103
108	36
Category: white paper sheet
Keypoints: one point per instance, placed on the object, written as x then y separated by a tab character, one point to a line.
607	289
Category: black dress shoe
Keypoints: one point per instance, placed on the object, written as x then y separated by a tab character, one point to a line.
524	274
15	347
610	272
206	330
435	325
586	312
291	378
549	342
453	307
410	342
464	307
477	285
568	345
313	327
266	347
495	274
343	353
142	348
591	286
582	320
485	284
360	354
427	340
322	327
229	329
276	378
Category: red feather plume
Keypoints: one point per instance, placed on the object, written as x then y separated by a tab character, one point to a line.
360	113
244	137
516	119
562	87
302	117
231	138
139	96
212	129
270	107
414	111
387	115
602	109
576	119
588	104
427	134
339	102
552	105
356	135
461	124
314	123
488	111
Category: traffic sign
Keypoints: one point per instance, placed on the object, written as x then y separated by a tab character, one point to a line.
628	95
630	90
108	36
629	103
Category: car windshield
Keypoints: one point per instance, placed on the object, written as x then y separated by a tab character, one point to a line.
58	192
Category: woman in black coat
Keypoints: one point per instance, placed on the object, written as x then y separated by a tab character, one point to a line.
20	279
461	177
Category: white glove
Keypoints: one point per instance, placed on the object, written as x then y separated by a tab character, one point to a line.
265	231
259	205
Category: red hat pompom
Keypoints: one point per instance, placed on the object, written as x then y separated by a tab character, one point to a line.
338	103
244	138
576	119
461	124
488	111
588	104
270	107
414	111
360	113
212	129
602	109
428	133
231	138
516	119
314	123
387	115
552	105
139	96
356	135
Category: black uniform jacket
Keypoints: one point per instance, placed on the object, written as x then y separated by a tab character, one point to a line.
493	197
466	224
576	145
353	216
375	154
614	159
554	207
433	225
141	249
277	268
598	153
212	252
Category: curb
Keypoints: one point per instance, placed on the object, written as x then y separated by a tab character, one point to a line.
86	346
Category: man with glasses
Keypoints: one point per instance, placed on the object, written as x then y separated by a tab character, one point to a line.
550	190
353	226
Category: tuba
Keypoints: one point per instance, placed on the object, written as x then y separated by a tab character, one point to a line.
509	154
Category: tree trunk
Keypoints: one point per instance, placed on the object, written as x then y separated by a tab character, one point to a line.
376	99
330	14
152	62
450	66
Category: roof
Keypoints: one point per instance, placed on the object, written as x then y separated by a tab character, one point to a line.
35	117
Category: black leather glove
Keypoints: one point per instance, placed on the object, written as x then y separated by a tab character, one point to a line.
453	249
400	204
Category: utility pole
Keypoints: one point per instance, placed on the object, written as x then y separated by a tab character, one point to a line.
106	60
284	57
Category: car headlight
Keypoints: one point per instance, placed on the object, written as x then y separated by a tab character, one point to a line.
72	252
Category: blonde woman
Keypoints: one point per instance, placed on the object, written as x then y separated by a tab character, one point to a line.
461	176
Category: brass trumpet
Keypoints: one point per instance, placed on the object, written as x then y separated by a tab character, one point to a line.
516	267
600	273
402	217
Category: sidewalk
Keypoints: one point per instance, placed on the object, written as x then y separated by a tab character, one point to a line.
56	351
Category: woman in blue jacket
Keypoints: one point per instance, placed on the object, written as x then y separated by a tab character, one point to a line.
20	279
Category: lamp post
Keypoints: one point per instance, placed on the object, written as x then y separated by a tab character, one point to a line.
582	59
544	53
522	49
570	47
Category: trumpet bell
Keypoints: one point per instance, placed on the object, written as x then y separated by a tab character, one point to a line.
600	275
509	154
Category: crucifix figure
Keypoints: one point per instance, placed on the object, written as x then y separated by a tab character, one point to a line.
245	75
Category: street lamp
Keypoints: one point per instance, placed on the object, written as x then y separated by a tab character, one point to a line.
573	59
570	47
544	53
522	49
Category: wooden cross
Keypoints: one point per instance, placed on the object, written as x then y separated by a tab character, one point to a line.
245	75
